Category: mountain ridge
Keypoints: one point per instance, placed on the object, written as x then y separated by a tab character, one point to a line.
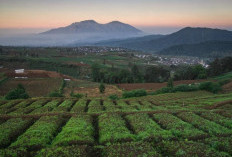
204	49
187	35
91	26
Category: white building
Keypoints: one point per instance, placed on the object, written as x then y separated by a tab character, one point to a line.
19	71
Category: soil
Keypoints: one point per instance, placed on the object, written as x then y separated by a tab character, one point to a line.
33	74
35	87
154	86
92	92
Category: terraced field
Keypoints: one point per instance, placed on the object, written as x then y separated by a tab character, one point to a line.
176	124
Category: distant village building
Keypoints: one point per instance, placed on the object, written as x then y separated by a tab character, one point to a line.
21	77
67	79
19	71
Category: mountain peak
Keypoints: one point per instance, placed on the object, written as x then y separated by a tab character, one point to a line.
91	26
115	22
88	21
85	21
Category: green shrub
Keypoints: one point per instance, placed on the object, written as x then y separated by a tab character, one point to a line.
113	97
170	83
164	90
102	88
61	89
210	86
179	88
186	88
224	81
76	95
17	93
151	93
3	80
134	93
55	94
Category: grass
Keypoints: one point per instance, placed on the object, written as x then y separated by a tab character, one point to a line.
224	76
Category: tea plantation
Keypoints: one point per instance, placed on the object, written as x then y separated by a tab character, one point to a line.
175	124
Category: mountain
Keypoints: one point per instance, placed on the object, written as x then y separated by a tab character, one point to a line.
205	49
88	32
187	35
91	26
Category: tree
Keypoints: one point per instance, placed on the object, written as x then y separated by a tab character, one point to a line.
101	88
17	93
220	66
170	83
96	72
200	72
215	68
156	74
137	77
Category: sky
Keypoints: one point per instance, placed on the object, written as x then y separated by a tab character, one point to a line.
154	16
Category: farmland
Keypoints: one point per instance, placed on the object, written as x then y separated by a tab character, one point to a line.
48	81
175	124
154	86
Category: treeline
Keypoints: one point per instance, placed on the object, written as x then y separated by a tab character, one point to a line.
220	66
157	74
188	72
133	74
206	49
217	67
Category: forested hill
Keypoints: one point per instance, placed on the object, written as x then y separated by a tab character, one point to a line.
187	35
205	49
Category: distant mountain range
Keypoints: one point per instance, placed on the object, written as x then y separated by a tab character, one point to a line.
187	41
156	44
91	26
86	33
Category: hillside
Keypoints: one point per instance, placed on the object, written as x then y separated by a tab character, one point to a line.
205	49
184	36
132	43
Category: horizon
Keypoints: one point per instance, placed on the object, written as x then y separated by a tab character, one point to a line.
152	16
146	29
